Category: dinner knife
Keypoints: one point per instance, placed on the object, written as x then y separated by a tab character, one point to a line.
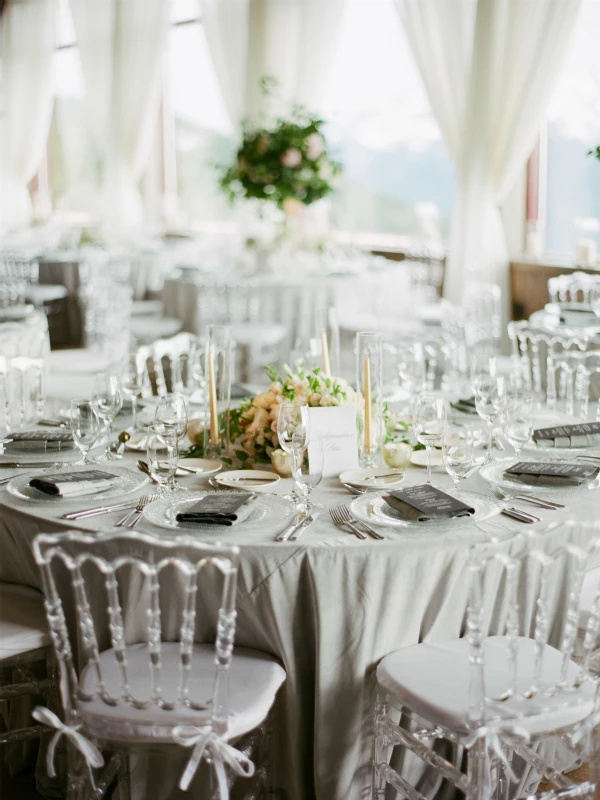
92	512
521	516
302	527
18	465
293	526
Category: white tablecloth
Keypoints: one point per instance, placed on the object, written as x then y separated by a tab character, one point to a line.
329	607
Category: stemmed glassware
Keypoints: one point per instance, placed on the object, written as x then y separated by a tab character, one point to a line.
162	449
132	383
107	399
458	452
520	415
84	427
429	423
490	402
171	416
307	470
293	432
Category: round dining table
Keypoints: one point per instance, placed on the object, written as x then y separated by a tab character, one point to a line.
329	606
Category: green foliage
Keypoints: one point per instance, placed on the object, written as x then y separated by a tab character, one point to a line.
595	152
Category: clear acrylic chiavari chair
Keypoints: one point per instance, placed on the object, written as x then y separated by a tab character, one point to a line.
574	288
161	363
137	605
502	699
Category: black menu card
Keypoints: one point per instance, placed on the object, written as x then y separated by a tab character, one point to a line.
583	434
71	484
555	473
39	441
219	508
424	502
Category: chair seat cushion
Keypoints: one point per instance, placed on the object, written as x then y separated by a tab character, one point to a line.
591	586
23	625
254	679
433	680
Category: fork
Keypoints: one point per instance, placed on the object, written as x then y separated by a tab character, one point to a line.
139	507
341	523
145	501
535	501
345	515
506	509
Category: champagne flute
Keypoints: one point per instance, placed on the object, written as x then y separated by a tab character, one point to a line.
520	412
293	432
307	469
429	424
162	450
107	399
84	427
458	452
132	383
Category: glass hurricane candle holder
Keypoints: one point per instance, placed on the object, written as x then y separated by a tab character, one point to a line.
218	365
369	383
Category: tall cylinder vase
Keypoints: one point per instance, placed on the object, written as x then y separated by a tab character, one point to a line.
369	384
217	371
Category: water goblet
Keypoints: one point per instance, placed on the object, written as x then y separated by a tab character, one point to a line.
107	399
519	419
162	450
84	427
429	424
293	432
171	409
307	470
458	452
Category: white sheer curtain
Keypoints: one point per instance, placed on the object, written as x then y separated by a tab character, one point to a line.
488	67
26	102
121	44
293	41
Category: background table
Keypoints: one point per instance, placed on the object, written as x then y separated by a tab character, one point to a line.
329	607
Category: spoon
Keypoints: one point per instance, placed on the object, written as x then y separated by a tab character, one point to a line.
118	448
143	467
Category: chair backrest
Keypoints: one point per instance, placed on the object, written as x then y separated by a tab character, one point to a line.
573	288
588	384
538	581
159	363
98	583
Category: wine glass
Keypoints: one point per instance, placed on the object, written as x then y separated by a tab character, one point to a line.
171	409
107	399
307	468
490	402
520	412
162	450
132	383
429	424
293	432
458	452
84	427
185	373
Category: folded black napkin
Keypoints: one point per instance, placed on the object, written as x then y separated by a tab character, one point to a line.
584	434
552	474
72	484
39	441
466	405
216	509
424	502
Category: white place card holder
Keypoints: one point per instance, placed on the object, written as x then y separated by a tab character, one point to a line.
336	428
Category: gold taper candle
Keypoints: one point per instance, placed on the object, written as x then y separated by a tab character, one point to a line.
368	409
325	353
215	436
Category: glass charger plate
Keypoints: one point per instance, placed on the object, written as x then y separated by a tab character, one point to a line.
131	481
494	473
373	509
268	510
24	457
560	453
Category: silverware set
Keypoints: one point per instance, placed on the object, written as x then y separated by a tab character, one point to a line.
131	506
296	529
342	518
131	519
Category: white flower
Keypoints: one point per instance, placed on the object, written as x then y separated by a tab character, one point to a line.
315	146
292	157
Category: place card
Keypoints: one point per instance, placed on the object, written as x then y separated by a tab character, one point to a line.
583	434
71	484
336	428
217	509
424	502
554	473
39	441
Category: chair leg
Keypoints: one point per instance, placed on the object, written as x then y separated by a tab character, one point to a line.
124	778
380	745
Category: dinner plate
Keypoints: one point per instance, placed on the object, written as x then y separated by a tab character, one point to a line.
130	481
494	473
267	512
373	509
244	479
203	467
357	477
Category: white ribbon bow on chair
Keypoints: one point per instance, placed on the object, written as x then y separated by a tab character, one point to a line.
206	741
493	744
93	756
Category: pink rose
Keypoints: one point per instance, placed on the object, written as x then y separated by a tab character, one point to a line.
315	146
291	158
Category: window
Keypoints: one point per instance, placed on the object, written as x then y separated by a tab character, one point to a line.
573	128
